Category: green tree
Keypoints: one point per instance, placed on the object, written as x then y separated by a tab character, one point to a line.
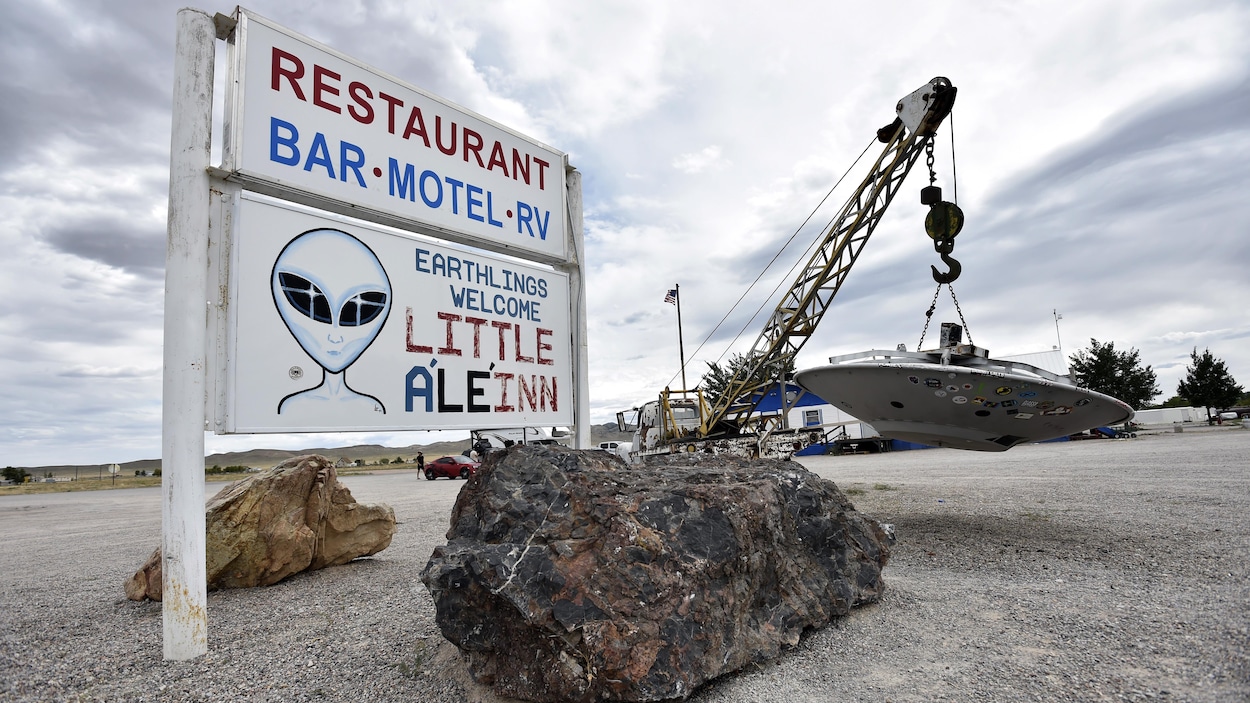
1175	401
1208	384
1118	374
14	474
716	379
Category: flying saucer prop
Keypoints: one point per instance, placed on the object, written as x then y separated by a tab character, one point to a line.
959	398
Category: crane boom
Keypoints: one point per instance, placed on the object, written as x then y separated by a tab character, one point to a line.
802	307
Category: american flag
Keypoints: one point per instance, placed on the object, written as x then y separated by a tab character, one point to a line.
671	298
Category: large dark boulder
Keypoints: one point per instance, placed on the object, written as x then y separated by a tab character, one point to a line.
569	576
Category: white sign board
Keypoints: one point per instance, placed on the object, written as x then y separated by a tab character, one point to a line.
337	325
305	119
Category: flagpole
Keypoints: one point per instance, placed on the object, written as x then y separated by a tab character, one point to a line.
681	348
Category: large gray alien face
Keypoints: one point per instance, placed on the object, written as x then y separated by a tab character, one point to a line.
333	295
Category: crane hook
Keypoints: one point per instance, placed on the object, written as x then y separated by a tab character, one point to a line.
944	247
955	270
944	221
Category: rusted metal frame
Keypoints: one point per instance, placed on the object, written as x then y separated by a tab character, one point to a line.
818	271
801	318
669	429
783	320
850	248
668	422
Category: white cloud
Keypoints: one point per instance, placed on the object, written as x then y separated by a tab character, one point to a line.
707	158
1099	173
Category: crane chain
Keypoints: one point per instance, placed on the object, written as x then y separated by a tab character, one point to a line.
928	161
928	315
961	314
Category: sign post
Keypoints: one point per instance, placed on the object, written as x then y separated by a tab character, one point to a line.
577	310
183	564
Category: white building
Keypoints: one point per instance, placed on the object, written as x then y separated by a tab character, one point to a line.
1165	416
807	410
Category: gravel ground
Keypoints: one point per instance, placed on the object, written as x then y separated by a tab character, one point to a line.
1085	571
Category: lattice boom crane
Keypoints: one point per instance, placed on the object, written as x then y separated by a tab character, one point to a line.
673	423
801	309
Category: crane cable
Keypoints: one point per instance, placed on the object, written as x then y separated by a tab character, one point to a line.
801	258
950	120
928	316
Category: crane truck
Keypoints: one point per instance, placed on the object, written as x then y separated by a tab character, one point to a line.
685	421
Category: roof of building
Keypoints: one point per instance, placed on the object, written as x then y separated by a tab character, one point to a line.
772	400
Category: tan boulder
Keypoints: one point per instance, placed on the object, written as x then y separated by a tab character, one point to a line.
266	527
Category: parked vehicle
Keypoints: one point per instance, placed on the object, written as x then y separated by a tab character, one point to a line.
485	440
458	466
620	449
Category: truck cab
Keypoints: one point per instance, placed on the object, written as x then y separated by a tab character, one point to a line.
658	424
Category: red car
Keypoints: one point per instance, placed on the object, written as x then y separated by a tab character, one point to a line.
459	466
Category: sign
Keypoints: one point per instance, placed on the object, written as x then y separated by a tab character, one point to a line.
338	325
305	119
318	322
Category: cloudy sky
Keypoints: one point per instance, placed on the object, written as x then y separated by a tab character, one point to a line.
1102	152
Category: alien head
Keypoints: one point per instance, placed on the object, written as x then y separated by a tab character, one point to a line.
333	295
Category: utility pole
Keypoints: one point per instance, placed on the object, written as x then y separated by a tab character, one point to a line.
1058	317
681	347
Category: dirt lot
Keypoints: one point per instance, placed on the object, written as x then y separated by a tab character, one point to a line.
1086	571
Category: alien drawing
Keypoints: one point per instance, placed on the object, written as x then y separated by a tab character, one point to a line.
334	296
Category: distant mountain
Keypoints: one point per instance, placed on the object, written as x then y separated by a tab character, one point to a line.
266	458
607	432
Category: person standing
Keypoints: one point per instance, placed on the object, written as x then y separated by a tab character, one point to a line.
420	461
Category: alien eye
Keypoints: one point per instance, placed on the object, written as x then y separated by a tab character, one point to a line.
362	309
305	296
